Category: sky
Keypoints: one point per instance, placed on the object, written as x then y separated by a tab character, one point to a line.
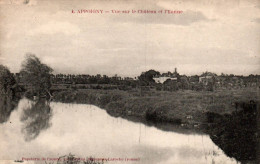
209	35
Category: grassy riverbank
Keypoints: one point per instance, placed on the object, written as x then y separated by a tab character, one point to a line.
180	107
236	134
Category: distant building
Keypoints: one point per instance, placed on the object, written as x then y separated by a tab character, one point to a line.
165	76
162	79
207	77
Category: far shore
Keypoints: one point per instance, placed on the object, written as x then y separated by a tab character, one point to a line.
186	108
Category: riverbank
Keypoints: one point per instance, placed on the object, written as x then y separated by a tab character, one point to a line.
236	134
186	108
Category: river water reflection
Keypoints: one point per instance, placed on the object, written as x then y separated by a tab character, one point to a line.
41	129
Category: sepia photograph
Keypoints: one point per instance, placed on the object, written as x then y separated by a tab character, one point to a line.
129	81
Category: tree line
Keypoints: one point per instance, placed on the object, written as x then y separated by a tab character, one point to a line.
37	77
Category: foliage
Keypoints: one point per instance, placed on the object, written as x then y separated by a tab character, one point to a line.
72	159
236	133
170	85
36	74
7	80
147	77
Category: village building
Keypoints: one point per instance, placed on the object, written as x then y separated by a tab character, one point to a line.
207	77
165	76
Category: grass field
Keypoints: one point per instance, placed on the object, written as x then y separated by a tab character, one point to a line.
181	107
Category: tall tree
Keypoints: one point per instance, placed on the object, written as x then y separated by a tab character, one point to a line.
36	75
7	80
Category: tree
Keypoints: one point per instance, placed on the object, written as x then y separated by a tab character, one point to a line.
184	82
147	77
170	85
7	80
36	75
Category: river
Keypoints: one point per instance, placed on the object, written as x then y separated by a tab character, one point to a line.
50	130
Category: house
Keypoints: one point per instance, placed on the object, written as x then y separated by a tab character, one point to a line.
165	76
162	79
207	77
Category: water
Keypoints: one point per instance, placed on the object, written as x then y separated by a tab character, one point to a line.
50	130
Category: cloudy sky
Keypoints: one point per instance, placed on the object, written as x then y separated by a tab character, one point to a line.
210	35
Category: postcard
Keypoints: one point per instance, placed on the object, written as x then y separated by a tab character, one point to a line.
129	82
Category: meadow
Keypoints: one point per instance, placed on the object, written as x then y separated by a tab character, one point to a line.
179	107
